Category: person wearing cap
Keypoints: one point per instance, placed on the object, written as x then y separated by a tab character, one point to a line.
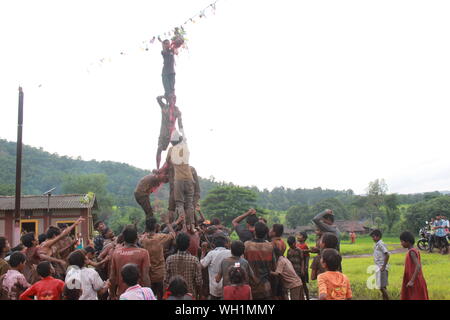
183	185
167	125
147	185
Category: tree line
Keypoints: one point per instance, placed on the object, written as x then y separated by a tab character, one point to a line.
114	183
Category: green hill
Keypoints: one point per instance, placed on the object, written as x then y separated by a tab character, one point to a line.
42	171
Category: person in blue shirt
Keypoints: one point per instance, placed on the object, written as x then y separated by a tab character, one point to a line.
440	234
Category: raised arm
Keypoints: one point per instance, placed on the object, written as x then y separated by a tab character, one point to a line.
236	221
319	223
51	242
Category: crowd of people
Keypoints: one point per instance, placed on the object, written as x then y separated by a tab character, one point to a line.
170	262
185	256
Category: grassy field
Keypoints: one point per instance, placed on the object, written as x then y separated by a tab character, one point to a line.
364	245
436	269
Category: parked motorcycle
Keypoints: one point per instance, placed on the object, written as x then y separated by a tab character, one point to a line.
424	242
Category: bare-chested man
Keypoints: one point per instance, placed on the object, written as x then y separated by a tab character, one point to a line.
53	237
147	185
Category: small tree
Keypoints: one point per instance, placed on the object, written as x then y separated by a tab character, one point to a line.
298	215
228	202
392	213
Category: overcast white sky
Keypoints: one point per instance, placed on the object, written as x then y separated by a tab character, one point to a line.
294	93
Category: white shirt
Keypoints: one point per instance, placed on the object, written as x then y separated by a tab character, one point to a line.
379	251
213	260
88	278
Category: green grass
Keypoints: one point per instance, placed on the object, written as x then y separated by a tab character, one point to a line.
436	270
364	245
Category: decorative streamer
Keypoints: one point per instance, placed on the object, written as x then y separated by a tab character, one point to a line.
177	35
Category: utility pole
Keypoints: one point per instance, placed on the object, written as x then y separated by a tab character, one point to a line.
19	156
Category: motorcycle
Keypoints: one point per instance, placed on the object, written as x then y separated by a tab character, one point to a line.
424	242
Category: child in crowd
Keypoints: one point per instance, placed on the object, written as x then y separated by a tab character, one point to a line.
290	280
87	278
48	288
178	289
13	283
130	275
297	258
381	258
414	286
237	290
275	237
327	241
332	284
302	245
237	250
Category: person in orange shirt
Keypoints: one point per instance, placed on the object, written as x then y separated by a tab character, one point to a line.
333	285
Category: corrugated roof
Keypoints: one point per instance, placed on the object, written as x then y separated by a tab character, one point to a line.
65	201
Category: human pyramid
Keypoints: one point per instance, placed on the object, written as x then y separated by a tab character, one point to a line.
182	178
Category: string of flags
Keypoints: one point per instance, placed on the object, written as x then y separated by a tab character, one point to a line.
177	35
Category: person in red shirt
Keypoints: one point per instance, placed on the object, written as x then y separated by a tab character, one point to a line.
238	290
48	288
